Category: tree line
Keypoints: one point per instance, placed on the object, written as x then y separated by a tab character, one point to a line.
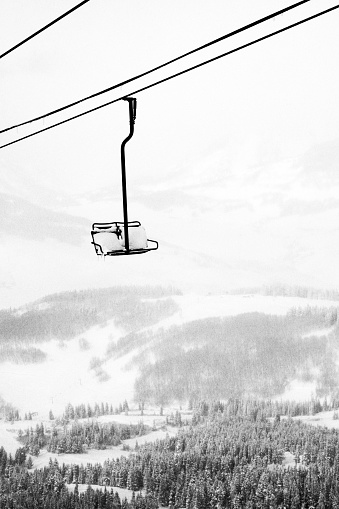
78	437
303	292
84	411
65	315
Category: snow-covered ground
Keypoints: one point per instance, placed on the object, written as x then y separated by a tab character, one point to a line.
288	460
123	493
99	456
93	456
197	307
319	332
321	419
66	375
299	391
159	434
9	433
133	416
8	437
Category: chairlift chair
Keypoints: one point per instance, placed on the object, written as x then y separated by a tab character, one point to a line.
122	237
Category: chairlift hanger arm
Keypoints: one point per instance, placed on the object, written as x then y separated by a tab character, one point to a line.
132	106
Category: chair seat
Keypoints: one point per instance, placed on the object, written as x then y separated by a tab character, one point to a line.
108	241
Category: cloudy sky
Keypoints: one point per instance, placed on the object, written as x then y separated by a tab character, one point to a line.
232	168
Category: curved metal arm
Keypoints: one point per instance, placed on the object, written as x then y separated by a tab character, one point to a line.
132	106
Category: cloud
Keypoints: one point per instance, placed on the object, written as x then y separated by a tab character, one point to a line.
23	219
294	207
320	164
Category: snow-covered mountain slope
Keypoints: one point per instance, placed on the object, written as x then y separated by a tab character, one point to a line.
197	307
83	369
69	374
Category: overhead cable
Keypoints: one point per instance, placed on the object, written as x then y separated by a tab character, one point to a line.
251	43
134	78
44	28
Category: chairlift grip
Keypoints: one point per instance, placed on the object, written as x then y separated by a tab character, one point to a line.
134	107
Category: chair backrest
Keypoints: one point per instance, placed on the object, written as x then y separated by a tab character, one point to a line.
136	236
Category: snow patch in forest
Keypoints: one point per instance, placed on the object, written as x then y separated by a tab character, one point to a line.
153	436
320	419
318	333
92	456
9	433
8	439
122	492
288	459
99	456
133	418
298	390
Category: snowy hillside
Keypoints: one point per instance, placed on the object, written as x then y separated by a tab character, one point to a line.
104	359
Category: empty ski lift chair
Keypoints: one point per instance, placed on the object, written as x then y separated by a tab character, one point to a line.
127	237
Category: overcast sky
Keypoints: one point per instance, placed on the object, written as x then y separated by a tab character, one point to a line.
233	167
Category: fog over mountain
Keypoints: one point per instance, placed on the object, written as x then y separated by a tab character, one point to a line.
232	167
243	227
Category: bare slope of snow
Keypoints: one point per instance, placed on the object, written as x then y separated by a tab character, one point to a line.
70	374
196	307
320	419
123	492
8	437
299	390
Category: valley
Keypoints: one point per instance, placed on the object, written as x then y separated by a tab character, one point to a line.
190	367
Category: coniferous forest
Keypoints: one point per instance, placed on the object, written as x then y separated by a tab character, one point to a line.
232	455
252	353
79	437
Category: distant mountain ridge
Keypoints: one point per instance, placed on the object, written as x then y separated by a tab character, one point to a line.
291	291
23	219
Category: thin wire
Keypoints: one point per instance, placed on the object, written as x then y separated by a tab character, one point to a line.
113	87
179	73
44	28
